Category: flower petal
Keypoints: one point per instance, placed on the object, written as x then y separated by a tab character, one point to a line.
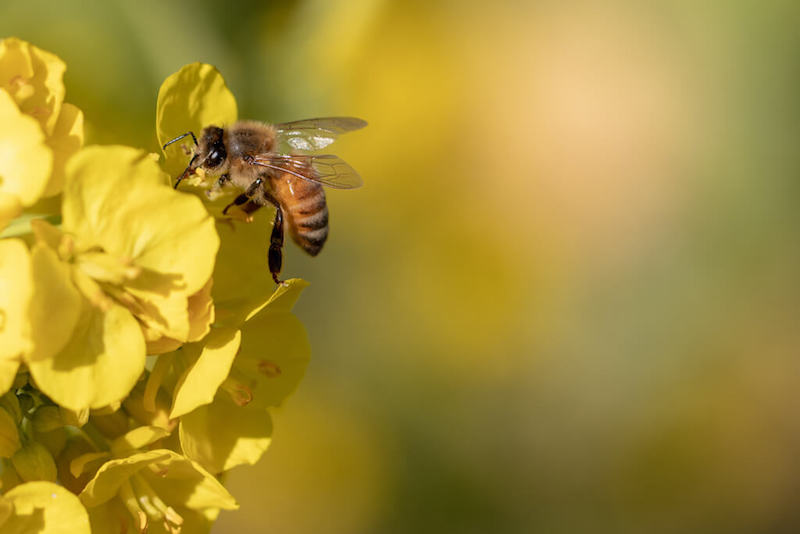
10	207
138	438
184	482
16	287
222	435
189	100
180	481
65	141
106	482
100	363
242	283
53	290
45	508
274	354
25	160
207	365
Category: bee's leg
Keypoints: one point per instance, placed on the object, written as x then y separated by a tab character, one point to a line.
224	179
244	197
251	207
275	254
238	201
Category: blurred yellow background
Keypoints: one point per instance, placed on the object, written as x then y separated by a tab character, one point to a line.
566	299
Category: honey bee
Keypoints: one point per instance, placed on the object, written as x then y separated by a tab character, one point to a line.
272	164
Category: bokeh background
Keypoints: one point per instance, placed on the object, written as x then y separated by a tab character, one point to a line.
566	299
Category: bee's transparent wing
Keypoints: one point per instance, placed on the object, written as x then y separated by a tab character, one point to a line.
314	134
326	169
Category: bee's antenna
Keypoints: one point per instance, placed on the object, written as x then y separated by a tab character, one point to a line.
179	138
186	172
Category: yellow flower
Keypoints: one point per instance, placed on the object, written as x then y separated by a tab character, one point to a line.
129	255
33	79
25	160
44	508
152	491
222	396
189	100
16	287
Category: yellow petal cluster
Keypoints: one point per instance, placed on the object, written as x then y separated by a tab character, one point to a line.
141	339
40	131
129	255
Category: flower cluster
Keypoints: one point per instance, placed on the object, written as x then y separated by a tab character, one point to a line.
142	341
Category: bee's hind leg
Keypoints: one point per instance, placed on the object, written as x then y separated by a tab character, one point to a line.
275	254
238	201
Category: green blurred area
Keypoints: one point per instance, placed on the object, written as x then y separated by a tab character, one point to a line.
566	299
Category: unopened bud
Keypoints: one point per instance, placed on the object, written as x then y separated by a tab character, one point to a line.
111	425
10	402
34	462
9	434
47	418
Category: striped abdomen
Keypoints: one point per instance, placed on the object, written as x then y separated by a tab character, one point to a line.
305	211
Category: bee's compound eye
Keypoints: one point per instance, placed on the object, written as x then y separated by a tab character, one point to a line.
214	159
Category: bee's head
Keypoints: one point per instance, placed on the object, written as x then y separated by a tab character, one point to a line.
211	149
209	153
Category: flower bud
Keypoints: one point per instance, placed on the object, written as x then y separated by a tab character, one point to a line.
47	418
10	402
111	425
9	435
34	462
